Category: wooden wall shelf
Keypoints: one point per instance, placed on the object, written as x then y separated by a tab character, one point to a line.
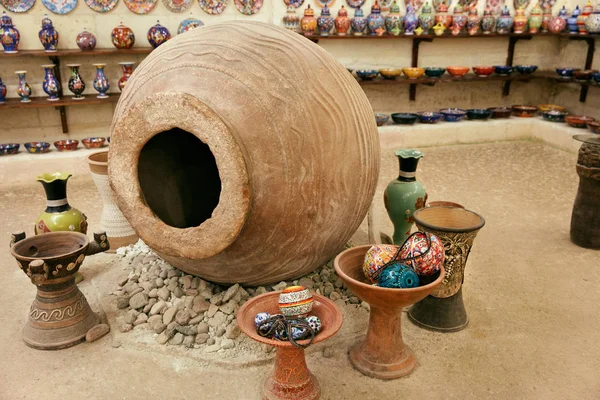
77	52
41	102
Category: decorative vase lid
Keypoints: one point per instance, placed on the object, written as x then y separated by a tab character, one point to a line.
46	22
537	10
458	9
442	8
376	9
309	12
473	11
122	27
5	20
158	26
342	12
425	10
394	8
520	12
358	13
85	32
505	11
487	11
576	12
325	11
563	12
587	9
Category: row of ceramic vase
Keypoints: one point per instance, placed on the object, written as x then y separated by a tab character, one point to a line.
122	37
481	71
61	145
394	23
52	87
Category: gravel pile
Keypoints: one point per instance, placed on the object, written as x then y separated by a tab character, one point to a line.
182	309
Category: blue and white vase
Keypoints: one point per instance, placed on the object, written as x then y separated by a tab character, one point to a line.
358	22
376	21
2	92
100	82
410	21
23	89
572	21
50	84
504	22
48	35
9	35
158	34
325	22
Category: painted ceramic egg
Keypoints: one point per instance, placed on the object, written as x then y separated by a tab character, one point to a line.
261	317
314	322
377	256
300	333
416	246
295	301
398	276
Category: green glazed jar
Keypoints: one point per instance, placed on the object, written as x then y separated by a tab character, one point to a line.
426	19
59	215
404	195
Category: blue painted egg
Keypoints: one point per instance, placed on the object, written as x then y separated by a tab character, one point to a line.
314	322
398	276
261	317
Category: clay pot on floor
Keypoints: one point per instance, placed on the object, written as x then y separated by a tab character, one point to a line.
118	230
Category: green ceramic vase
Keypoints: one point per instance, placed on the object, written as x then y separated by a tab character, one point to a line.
404	195
59	215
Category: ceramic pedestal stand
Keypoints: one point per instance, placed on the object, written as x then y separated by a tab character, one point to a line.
291	378
444	309
60	316
382	353
585	220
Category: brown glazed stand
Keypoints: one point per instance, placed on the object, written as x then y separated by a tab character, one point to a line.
291	378
444	310
382	353
585	220
60	316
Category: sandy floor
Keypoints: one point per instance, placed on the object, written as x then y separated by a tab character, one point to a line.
531	295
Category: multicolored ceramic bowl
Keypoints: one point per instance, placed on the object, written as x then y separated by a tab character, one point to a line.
503	69
524	111
554	116
37	147
478	114
381	119
550	107
578	121
390	73
367	74
566	73
435	72
413	73
9	148
483	71
404	118
526	69
457	71
500	112
453	114
66	145
594	126
428	117
93	142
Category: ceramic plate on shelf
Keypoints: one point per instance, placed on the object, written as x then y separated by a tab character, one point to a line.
177	5
355	3
213	7
101	6
17	6
323	3
60	6
140	6
248	7
293	3
187	24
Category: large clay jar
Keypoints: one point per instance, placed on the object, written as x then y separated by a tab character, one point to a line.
227	179
592	24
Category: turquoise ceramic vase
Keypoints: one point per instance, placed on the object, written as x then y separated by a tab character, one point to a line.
404	195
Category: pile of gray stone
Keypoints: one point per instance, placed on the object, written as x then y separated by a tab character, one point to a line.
182	309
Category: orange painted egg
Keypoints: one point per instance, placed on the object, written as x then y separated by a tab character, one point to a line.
378	256
295	301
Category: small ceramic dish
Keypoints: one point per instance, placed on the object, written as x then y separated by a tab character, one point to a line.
500	112
453	114
37	147
478	114
9	148
429	117
458	71
367	74
503	70
66	145
93	142
404	118
596	77
524	111
566	73
413	73
578	121
483	71
435	72
381	119
390	73
594	126
583	75
526	69
550	107
554	115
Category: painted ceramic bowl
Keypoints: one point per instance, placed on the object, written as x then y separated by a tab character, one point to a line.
435	72
500	112
578	121
367	74
390	73
453	114
524	111
93	142
554	116
458	71
566	73
66	145
483	71
429	117
9	148
413	73
596	76
381	119
503	69
404	118
478	113
550	107
594	126
526	69
583	74
295	301
37	147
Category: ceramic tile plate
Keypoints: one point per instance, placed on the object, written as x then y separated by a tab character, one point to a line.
177	5
17	6
293	3
355	3
140	6
188	24
248	7
60	6
323	3
101	6
213	7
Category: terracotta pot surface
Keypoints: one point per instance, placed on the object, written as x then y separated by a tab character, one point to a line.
235	149
382	353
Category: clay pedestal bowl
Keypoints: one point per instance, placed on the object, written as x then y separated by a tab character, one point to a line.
291	378
382	353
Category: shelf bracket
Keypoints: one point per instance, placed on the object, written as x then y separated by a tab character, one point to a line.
589	59
414	62
510	56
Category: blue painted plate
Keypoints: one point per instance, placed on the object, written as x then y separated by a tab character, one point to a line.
60	6
17	6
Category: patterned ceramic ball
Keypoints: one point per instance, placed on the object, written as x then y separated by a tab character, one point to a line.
398	276
377	256
416	246
300	333
261	317
295	301
314	322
